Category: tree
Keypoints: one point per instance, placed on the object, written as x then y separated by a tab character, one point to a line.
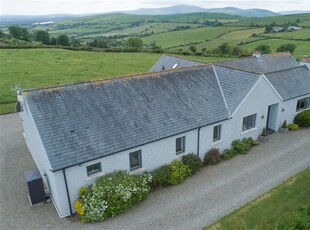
63	40
193	49
53	41
264	49
224	48
19	33
268	28
287	47
2	34
75	42
42	36
134	43
99	43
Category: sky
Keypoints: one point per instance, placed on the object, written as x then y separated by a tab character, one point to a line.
43	7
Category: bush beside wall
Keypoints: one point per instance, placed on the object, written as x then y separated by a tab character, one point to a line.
111	195
303	118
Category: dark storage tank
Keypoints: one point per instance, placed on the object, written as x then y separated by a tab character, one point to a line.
35	187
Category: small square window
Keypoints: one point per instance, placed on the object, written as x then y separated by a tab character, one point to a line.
92	169
135	160
217	133
249	122
180	145
302	104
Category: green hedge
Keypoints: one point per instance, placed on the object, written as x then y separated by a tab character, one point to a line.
303	118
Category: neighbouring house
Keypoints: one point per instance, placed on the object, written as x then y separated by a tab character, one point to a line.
278	29
293	28
305	61
78	132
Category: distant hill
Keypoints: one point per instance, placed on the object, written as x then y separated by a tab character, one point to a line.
295	12
180	9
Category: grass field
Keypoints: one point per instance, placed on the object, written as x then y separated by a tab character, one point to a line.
178	38
31	68
272	207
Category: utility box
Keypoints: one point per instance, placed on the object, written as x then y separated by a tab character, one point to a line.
35	186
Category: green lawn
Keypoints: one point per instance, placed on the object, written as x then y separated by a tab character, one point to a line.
304	33
30	68
272	207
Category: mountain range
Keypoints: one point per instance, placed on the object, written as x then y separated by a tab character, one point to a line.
181	9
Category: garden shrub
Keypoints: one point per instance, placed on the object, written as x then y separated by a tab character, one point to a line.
178	172
112	194
293	127
303	118
212	157
225	155
160	176
241	147
192	161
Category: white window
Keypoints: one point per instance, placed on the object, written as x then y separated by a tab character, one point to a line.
217	133
302	104
249	122
135	160
180	145
175	66
92	169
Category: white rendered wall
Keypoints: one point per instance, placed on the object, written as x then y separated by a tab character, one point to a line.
153	156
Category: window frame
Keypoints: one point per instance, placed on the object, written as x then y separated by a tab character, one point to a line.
182	150
92	172
219	132
307	104
139	160
247	119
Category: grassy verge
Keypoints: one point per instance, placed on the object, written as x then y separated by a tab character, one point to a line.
272	207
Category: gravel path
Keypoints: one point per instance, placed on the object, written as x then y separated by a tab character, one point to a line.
209	195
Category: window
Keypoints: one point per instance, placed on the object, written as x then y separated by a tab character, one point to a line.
92	169
135	160
302	104
175	66
248	122
216	133
180	145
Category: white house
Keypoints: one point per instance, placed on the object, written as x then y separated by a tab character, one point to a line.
77	132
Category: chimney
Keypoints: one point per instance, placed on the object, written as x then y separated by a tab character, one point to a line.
257	54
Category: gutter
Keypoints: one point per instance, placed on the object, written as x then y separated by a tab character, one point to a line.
198	144
67	190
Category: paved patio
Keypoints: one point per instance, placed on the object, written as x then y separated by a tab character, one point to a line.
209	195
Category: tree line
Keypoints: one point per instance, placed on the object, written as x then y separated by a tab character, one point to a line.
40	36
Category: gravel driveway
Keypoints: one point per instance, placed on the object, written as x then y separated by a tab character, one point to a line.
209	195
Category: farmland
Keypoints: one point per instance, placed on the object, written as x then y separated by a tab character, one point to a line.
42	67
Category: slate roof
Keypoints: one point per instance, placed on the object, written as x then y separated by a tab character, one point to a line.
291	83
86	121
264	64
235	84
168	62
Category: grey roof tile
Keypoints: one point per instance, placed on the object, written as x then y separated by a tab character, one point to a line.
235	85
168	62
110	116
264	64
291	83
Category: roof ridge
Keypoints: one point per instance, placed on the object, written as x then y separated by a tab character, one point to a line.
241	70
129	76
282	70
184	58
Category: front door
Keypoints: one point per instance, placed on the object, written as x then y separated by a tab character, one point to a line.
272	116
